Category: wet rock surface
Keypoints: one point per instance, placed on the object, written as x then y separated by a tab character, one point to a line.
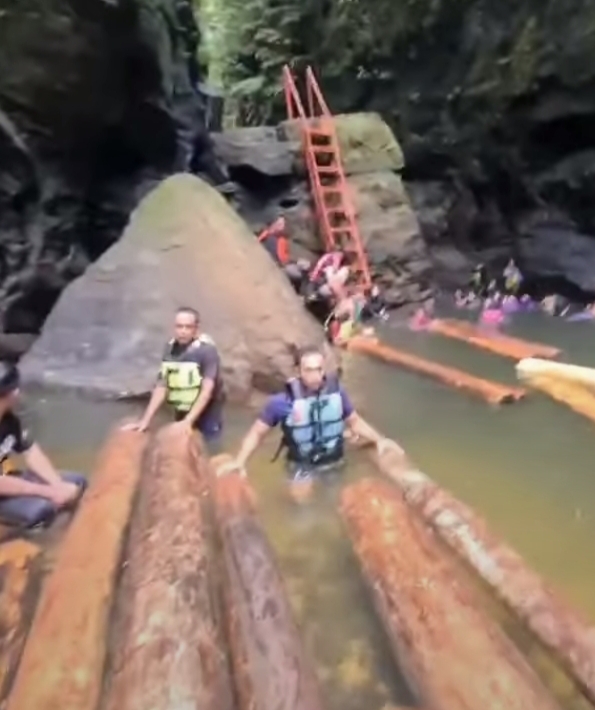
98	101
268	167
184	246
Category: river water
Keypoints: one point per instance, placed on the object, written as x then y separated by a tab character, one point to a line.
526	467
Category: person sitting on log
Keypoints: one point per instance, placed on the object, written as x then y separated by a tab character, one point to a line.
314	412
32	496
189	380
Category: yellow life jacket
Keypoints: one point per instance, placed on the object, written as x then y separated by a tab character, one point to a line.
183	379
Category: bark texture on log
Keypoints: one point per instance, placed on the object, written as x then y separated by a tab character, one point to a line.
18	584
63	660
454	657
167	645
560	628
272	671
497	343
491	392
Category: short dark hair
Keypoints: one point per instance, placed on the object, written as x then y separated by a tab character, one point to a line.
300	353
190	311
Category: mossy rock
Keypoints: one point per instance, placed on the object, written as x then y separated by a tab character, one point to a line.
367	143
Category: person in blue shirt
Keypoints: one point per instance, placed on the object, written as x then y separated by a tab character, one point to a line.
313	412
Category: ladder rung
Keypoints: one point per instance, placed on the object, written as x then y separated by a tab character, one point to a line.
330	190
327	170
322	150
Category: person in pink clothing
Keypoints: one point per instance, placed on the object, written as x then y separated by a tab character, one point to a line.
332	260
422	318
492	314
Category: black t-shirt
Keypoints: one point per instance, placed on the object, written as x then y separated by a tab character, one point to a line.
14	440
206	356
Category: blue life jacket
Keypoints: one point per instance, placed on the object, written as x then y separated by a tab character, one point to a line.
313	430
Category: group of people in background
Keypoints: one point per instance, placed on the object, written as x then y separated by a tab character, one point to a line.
328	287
497	299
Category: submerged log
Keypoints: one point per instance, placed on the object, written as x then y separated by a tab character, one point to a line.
453	656
271	669
497	343
62	664
166	638
491	392
559	627
18	583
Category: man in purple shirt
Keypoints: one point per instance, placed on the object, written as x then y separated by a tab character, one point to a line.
313	413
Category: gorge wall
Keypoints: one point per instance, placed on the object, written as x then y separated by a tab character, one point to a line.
98	101
493	102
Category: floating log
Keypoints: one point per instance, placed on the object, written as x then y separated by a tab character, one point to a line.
560	628
578	397
166	641
491	392
453	656
272	671
18	584
62	664
498	343
577	374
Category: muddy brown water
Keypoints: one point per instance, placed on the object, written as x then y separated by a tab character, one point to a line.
528	468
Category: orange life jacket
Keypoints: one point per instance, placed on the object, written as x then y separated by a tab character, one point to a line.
276	232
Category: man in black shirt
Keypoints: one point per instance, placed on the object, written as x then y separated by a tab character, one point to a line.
189	380
32	496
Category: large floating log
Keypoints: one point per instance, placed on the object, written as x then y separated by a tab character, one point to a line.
166	637
271	668
571	385
18	583
559	627
497	343
578	397
62	664
453	656
491	392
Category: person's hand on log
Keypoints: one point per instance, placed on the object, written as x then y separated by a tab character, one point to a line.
139	425
63	494
232	466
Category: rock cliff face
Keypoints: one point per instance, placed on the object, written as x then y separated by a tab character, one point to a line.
495	101
268	165
184	245
97	101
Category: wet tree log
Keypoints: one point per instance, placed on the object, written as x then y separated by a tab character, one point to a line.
491	392
62	664
271	669
453	656
168	651
18	585
497	343
560	628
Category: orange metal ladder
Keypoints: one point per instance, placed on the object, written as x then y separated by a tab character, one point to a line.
334	208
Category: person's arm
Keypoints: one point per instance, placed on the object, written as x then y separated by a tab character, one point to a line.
39	463
360	427
11	486
158	397
273	413
209	363
251	442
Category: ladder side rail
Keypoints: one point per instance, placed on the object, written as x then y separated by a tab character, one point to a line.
316	95
295	107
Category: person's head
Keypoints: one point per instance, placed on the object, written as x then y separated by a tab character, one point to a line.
186	325
311	368
511	263
9	384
